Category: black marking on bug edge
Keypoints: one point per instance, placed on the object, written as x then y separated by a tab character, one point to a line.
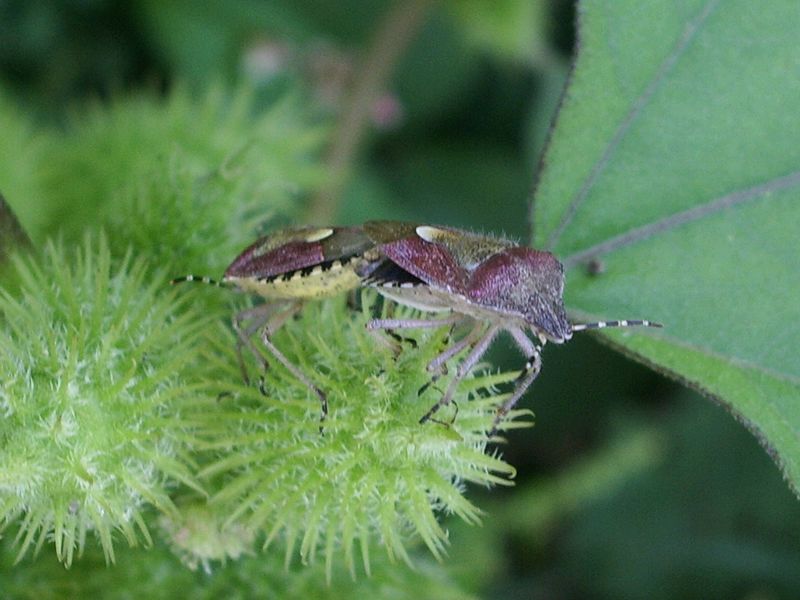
388	274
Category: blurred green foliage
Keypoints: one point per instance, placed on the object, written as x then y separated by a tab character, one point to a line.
703	514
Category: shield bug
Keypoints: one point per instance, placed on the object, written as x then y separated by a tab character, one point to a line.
286	268
490	284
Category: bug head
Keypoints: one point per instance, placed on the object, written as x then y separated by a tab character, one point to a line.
526	284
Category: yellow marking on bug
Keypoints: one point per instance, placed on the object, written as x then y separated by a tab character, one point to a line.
316	284
432	234
319	234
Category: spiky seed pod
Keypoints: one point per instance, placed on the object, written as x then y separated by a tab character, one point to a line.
186	178
376	477
93	358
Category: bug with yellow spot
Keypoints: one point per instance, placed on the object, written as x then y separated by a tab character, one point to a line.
286	268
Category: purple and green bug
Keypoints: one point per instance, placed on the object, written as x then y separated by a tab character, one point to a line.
286	268
490	284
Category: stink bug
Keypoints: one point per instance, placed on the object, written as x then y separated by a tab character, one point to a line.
286	268
491	284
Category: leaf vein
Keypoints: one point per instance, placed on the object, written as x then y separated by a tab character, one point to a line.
695	213
635	110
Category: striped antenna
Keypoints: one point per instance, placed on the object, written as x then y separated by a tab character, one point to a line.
623	323
199	279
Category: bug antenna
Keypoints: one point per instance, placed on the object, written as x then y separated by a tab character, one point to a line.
622	323
198	279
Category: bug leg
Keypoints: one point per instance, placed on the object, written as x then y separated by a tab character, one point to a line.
455	414
384	341
479	348
388	325
438	363
258	315
438	366
452	420
429	383
525	379
441	369
400	339
268	330
412	323
528	346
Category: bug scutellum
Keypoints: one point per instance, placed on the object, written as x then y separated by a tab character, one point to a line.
489	283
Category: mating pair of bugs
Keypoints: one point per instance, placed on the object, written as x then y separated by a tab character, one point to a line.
489	284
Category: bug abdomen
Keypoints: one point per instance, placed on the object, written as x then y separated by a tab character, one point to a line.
325	279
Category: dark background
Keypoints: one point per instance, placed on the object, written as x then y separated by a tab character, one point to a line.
628	485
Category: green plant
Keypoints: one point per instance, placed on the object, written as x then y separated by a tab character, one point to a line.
123	397
668	187
94	360
662	167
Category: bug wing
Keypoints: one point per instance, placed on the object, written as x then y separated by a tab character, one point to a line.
430	262
345	243
291	249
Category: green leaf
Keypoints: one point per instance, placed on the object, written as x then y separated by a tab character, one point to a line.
11	233
675	163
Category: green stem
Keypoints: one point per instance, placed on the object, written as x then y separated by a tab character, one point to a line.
391	38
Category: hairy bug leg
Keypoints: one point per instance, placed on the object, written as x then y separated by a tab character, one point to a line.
259	315
388	325
386	342
268	330
528	347
525	379
424	387
271	317
452	419
438	363
445	345
478	349
412	323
